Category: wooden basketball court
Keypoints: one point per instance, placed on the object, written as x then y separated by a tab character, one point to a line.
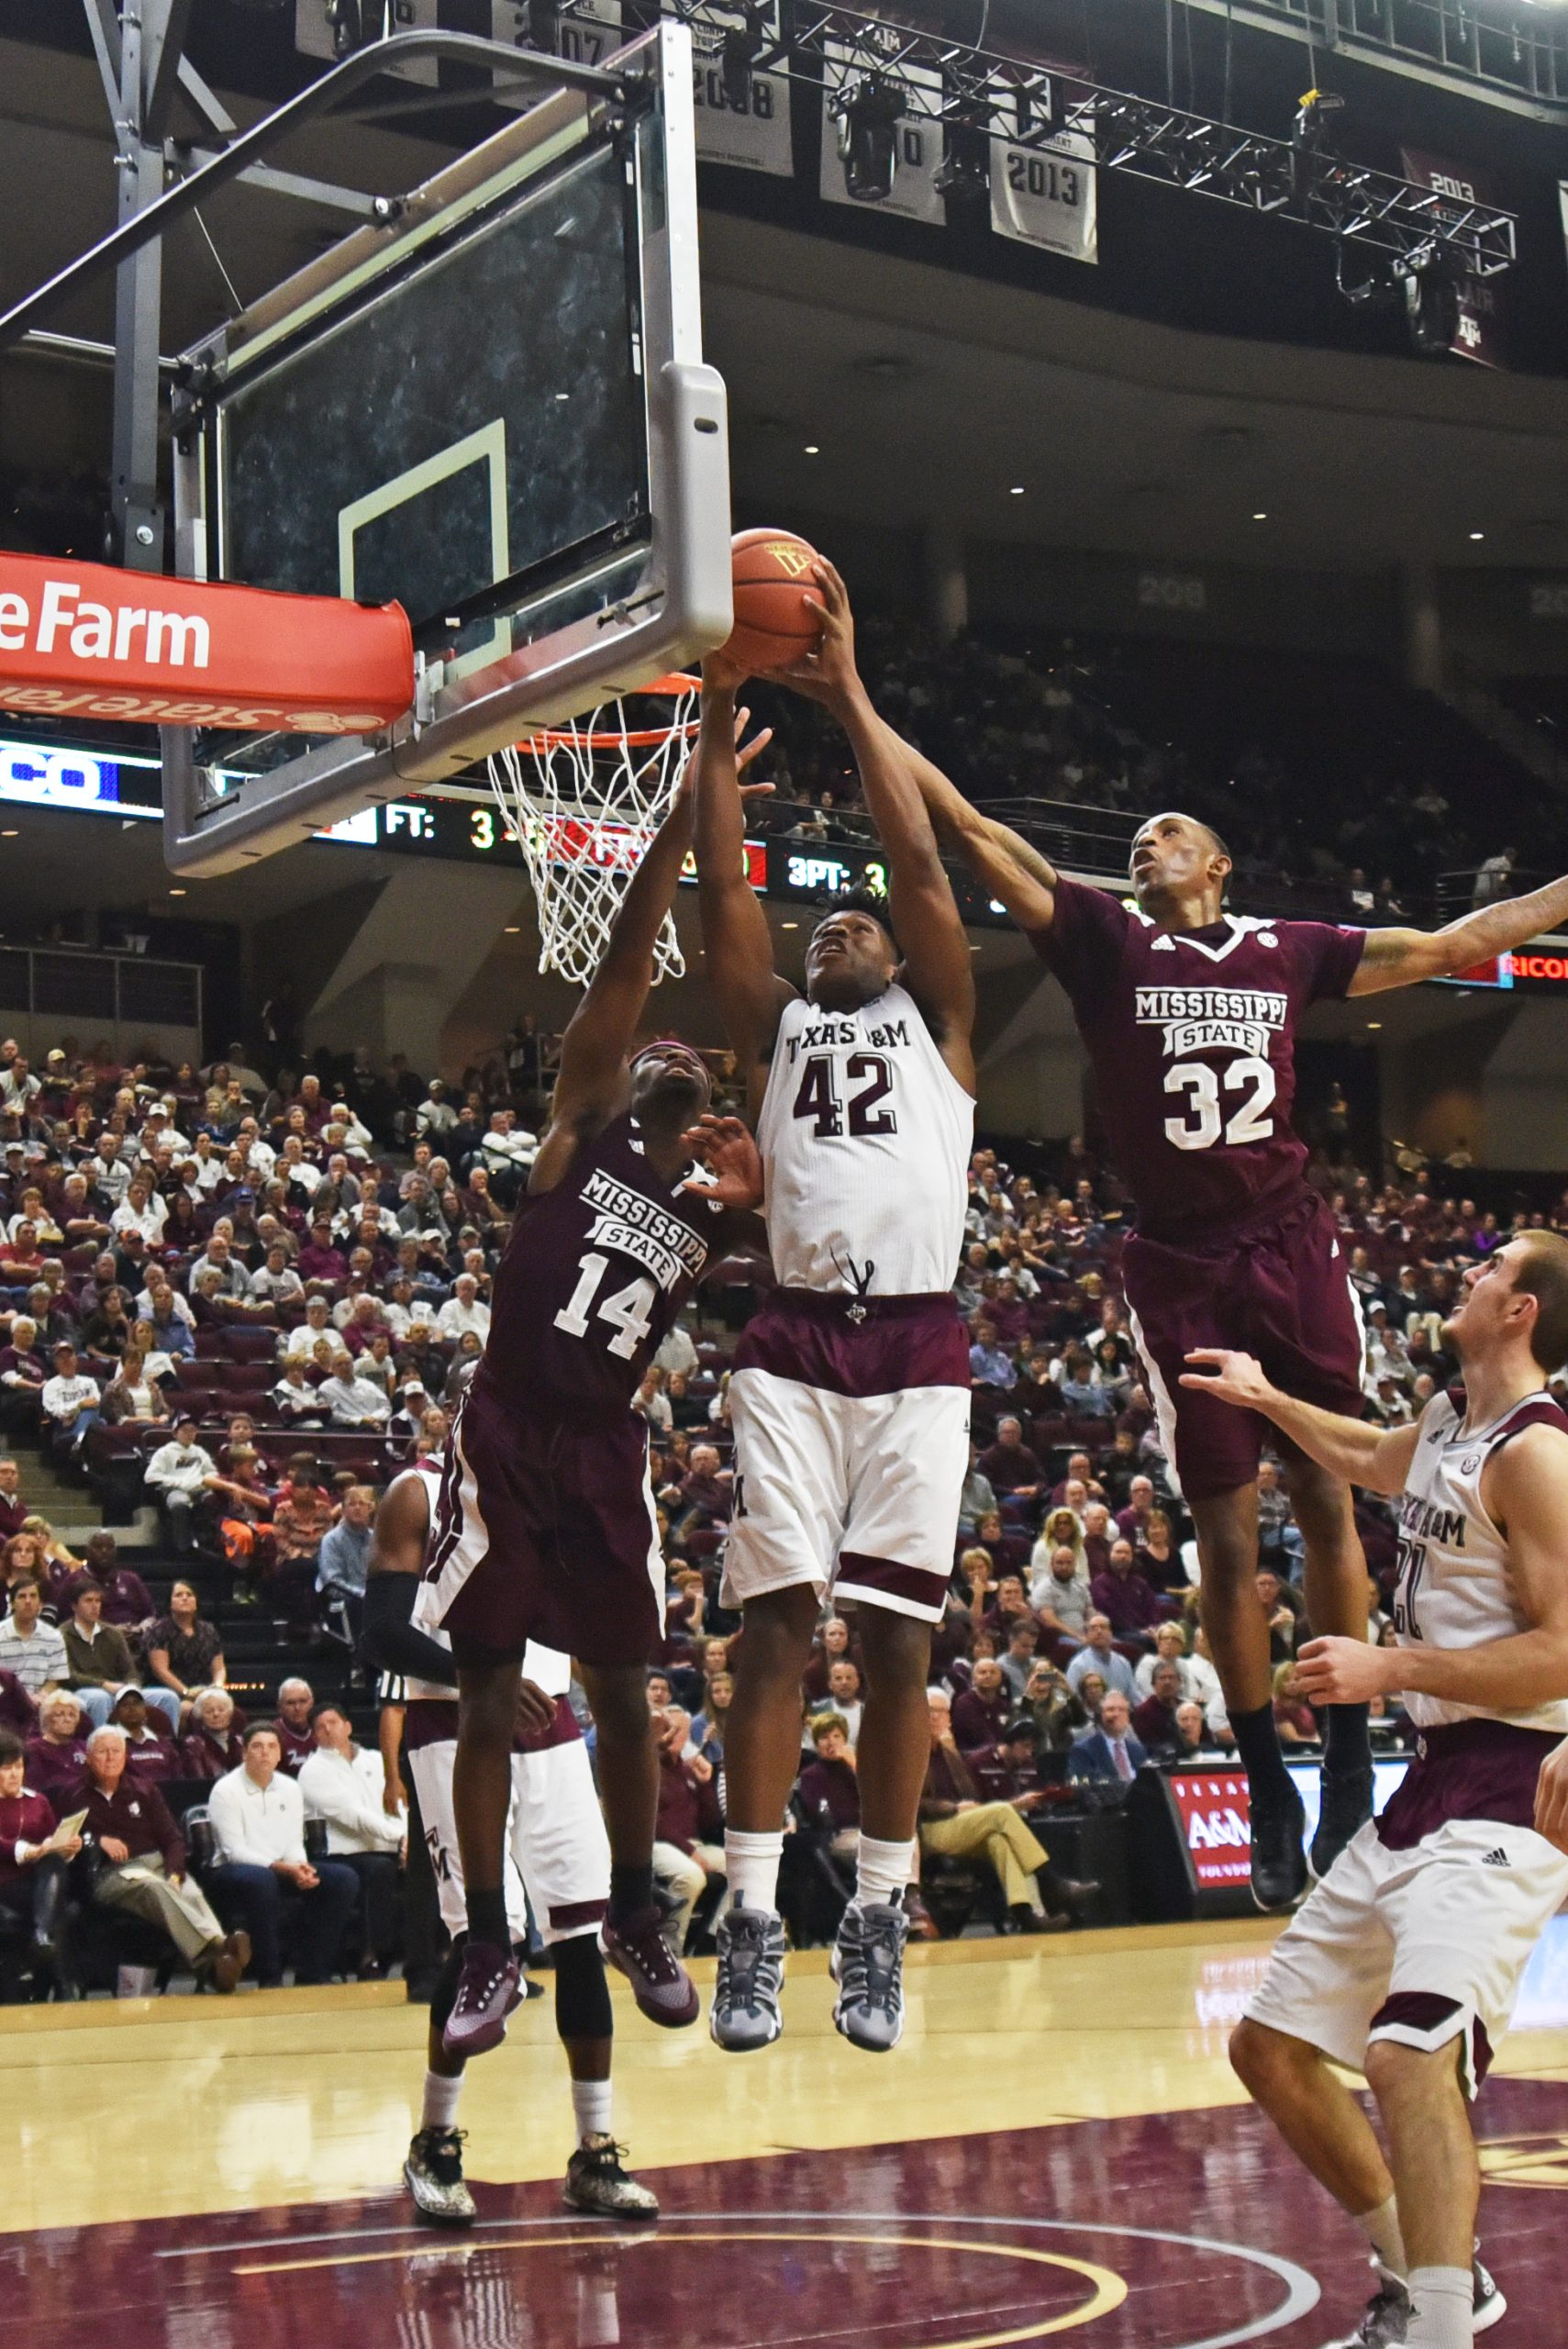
1058	2147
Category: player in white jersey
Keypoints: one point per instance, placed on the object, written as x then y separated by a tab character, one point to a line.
558	1845
1406	1962
850	1398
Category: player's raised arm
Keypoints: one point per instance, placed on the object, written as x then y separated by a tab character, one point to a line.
926	919
1399	958
605	1024
737	945
1000	859
1363	1453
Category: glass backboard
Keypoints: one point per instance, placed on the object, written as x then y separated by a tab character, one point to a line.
492	409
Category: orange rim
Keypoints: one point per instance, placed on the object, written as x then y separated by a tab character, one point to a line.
674	688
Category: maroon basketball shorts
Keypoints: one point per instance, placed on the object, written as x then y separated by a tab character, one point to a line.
1280	1293
545	1529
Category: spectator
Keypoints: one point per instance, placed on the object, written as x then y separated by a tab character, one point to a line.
180	1473
354	1400
1294	1717
185	1652
1057	1712
13	1508
344	1783
343	1560
1170	1647
296	1725
463	1311
988	1365
152	1752
1154	1720
977	1498
141	1863
258	1822
1099	1655
1062	1596
1282	1609
1016	1663
688	1847
954	1823
24	1374
302	1518
213	1744
133	1395
128	1602
709	1726
980	1711
30	1648
831	1641
844	1697
1110	1751
69	1401
829	1788
1012	1468
98	1654
1122	1593
34	1856
57	1755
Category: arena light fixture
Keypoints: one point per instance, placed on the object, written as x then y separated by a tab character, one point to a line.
1259	517
812	449
868	111
1476	534
1016	490
738	52
1430	289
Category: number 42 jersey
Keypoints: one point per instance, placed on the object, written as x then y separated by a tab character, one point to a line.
866	1135
1191	1034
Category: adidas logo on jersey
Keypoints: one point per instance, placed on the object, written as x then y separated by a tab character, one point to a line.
1497	1858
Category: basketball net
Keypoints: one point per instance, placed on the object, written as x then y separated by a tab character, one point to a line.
583	801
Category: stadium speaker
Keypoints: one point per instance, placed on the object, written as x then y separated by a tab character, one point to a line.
1431	300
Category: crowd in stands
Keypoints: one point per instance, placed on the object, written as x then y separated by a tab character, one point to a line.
1327	781
244	1304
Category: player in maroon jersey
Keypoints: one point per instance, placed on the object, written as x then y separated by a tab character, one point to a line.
545	1526
1188	1015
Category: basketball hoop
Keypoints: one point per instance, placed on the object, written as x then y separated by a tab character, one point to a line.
583	801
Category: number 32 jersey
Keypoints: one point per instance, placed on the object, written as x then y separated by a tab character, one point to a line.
594	1273
1192	1035
866	1135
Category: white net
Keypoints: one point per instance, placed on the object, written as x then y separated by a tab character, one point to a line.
583	801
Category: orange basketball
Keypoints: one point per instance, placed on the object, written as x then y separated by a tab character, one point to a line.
772	626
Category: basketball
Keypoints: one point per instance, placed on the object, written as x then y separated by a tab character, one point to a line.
772	626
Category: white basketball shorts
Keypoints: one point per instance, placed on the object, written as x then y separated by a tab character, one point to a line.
1420	1946
556	1838
856	1493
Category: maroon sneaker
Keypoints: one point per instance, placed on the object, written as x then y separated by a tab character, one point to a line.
487	1990
660	1983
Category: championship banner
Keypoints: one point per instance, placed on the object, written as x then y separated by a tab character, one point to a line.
1481	333
1047	196
587	37
755	136
917	143
81	640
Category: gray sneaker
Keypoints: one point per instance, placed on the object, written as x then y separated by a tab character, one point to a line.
1490	2307
747	1979
433	2175
1386	2319
596	2183
868	1965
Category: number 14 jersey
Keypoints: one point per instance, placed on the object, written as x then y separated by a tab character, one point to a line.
1192	1035
866	1135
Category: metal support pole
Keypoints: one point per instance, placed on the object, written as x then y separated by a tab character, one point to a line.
138	288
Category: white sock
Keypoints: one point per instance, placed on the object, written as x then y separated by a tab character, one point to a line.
440	2108
1381	2228
751	1868
881	1870
1443	2309
591	2103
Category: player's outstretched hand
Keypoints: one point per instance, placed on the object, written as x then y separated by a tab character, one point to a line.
1551	1798
1343	1672
1233	1377
745	751
535	1710
727	1148
829	674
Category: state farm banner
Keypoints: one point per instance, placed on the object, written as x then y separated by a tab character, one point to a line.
1046	194
753	136
81	640
1481	334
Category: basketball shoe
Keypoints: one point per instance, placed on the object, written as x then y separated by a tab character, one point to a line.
596	2183
1279	1864
1388	2317
747	1979
433	2175
487	1990
868	1966
664	1991
1344	1808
